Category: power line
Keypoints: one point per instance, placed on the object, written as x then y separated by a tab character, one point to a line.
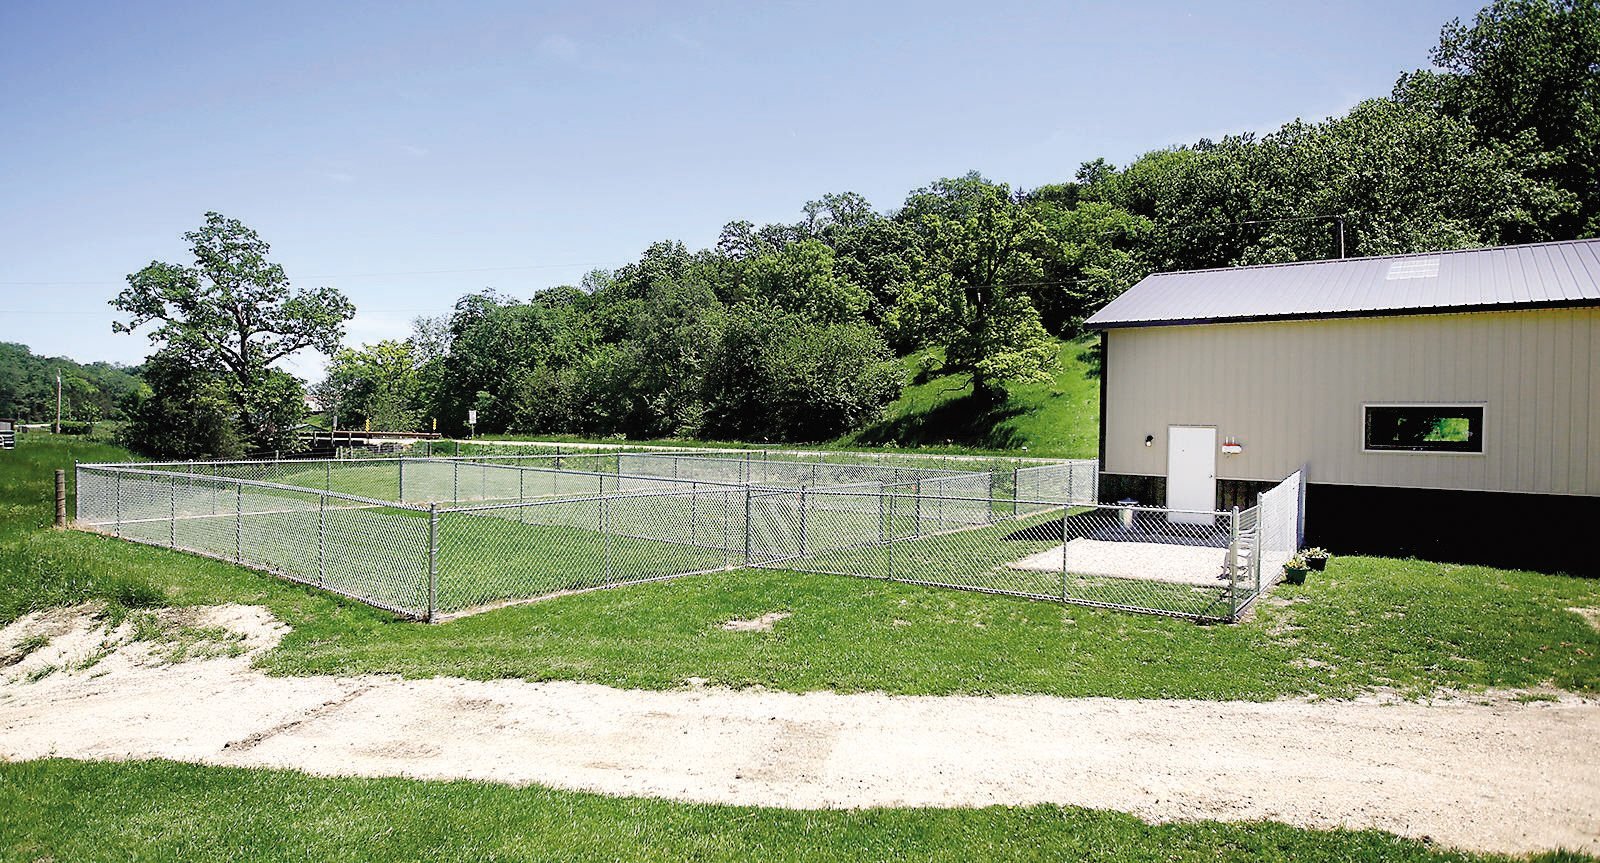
349	275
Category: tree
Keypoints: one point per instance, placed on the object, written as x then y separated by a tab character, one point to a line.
974	240
235	310
1527	73
801	278
378	384
780	376
185	410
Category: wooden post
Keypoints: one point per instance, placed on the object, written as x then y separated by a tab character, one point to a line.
61	498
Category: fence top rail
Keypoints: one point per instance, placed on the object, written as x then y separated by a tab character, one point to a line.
816	494
253	483
562	471
608	497
929	471
863	457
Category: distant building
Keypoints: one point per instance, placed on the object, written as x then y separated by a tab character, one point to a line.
1445	405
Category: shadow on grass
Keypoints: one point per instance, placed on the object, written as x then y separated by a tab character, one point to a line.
963	421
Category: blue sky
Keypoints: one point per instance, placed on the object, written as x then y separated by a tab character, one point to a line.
407	153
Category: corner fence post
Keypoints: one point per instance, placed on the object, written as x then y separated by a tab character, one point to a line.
1233	569
77	483
433	562
61	498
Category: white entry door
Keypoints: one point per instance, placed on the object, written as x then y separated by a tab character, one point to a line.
1191	474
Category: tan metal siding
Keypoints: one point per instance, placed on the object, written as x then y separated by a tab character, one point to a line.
1293	391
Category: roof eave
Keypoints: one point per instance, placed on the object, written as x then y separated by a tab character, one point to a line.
1532	305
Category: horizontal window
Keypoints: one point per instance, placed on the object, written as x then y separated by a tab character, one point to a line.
1425	428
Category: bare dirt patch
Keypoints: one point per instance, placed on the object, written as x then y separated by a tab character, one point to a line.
1416	769
1590	614
756	624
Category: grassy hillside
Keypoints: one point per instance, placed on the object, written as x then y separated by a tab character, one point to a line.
1059	417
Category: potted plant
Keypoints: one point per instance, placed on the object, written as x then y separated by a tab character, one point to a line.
1294	569
1316	558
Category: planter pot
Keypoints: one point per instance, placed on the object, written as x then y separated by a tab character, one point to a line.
1294	576
1317	564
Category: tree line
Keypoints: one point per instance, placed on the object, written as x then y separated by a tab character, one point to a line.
806	330
89	392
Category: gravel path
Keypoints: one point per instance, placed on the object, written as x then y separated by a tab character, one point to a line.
1493	775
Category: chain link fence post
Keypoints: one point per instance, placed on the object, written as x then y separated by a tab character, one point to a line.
238	522
605	532
455	477
402	479
1063	554
748	527
1232	559
322	540
1255	553
172	513
433	562
727	519
802	521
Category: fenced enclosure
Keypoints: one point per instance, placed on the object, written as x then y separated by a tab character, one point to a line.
435	537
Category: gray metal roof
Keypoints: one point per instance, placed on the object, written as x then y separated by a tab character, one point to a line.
1503	278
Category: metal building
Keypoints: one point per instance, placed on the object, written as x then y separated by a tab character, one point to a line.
1444	404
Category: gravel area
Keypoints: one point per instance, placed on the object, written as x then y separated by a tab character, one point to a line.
1486	773
1150	561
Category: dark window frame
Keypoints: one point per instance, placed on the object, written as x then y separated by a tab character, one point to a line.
1421	412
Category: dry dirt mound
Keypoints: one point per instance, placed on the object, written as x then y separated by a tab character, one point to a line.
1491	775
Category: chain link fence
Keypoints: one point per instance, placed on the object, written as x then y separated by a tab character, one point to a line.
436	537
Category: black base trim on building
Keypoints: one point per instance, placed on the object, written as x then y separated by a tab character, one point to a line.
1541	532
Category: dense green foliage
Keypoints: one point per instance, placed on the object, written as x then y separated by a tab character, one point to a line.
221	323
789	331
89	393
164	811
1367	623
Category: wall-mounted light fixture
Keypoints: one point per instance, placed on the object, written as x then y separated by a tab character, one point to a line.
1149	439
1231	446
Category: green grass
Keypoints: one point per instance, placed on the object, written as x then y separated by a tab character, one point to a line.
1408	625
1059	417
162	811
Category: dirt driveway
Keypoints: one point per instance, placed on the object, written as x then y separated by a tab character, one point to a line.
1487	774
